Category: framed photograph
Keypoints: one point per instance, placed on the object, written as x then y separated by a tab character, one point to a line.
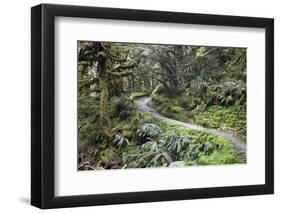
139	106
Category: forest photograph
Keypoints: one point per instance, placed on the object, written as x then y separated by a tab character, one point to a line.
160	105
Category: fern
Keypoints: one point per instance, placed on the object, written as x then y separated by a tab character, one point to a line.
174	143
196	150
229	93
120	141
162	158
121	107
148	131
193	151
151	146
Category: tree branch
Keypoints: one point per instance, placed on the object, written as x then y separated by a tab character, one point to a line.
123	66
204	55
116	58
121	74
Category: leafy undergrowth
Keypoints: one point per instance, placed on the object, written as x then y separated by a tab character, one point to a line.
227	118
231	118
141	141
220	151
164	145
226	154
177	108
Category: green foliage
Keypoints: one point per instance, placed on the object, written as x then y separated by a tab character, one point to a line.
147	155
229	118
229	93
174	107
108	158
188	103
224	154
108	154
193	152
120	141
121	126
121	107
195	84
198	87
148	131
217	158
200	52
150	146
84	145
177	143
174	143
162	158
141	118
136	95
89	132
204	145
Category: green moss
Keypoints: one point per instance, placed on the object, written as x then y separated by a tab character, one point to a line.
182	108
224	152
127	134
108	154
121	126
225	155
174	108
216	158
136	95
140	118
228	118
84	145
177	109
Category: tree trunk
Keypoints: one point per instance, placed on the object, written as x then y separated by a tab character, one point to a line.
104	96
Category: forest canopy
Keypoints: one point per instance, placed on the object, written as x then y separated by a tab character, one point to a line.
159	105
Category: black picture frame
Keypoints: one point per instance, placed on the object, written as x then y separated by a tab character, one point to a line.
43	102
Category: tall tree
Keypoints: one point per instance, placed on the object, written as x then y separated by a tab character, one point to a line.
109	66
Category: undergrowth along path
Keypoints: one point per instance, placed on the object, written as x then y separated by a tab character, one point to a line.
144	104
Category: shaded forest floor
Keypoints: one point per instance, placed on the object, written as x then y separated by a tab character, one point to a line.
142	138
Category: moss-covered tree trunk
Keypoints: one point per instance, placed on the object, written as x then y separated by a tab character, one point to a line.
104	97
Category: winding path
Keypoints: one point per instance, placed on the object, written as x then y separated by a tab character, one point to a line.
145	105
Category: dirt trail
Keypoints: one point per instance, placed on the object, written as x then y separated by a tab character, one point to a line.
145	105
